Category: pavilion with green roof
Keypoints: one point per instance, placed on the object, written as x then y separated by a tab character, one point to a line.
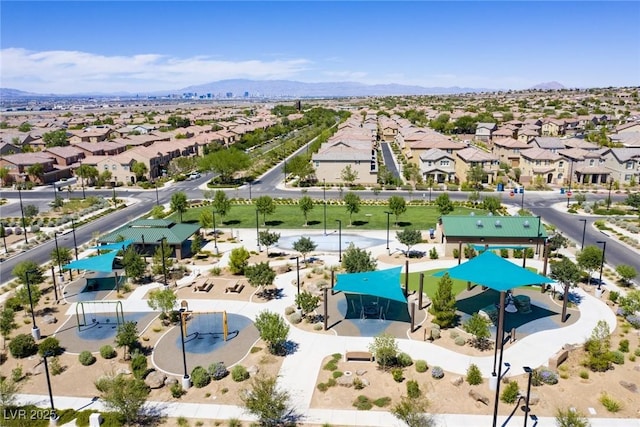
150	232
493	232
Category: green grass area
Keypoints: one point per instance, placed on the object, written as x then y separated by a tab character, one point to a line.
431	283
290	216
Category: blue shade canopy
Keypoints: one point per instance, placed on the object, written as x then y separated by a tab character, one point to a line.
381	283
114	246
95	263
492	271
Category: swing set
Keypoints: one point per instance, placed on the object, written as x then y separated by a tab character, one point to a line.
97	308
210	327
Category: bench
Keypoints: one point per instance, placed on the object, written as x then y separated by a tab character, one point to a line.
237	288
204	287
360	356
557	359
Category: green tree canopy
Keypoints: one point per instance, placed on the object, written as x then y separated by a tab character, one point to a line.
304	245
162	299
260	274
271	405
225	162
139	169
397	206
61	255
124	395
443	304
352	204
56	138
356	260
444	204
87	173
179	203
476	175
307	302
268	238
478	326
35	273
349	175
238	260
265	206
221	203
133	263
565	271
127	335
491	204
273	330
306	206
409	238
590	259
626	272
385	350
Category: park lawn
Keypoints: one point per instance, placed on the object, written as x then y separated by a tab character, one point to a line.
431	283
370	217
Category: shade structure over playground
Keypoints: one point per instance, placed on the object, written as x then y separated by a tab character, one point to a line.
495	272
381	283
95	263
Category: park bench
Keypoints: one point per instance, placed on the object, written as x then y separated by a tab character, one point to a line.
237	288
557	359
204	287
360	356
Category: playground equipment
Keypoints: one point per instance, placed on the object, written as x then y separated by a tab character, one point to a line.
98	311
210	325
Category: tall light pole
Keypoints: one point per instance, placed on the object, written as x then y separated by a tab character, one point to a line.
584	230
609	197
55	237
339	240
526	408
298	275
388	213
75	242
249	182
24	224
215	233
53	418
164	262
155	183
324	198
258	232
570	179
604	250
35	331
84	196
186	383
522	199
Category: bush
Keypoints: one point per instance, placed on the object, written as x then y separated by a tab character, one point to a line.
437	372
510	392
86	358
421	366
337	374
460	341
474	376
543	376
322	387
239	373
397	375
218	371
139	365
107	352
413	389
584	374
22	345
616	357
609	403
403	360
200	377
50	346
362	403
176	390
295	318
624	346
613	296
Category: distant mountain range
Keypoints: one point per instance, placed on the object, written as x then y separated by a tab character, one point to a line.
281	88
548	86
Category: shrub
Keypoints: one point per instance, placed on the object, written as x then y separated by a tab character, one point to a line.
624	346
218	371
421	366
322	387
139	365
616	357
22	345
413	389
107	352
331	382
609	403
382	402
239	373
177	391
433	253
337	374
362	403
584	374
50	346
358	384
200	377
437	372
613	296
295	318
474	376
330	365
404	360
397	375
460	341
86	358
637	352
543	376
510	392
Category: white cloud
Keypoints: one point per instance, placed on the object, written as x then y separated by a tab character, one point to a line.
73	71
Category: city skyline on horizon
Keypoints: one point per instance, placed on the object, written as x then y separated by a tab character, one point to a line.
149	46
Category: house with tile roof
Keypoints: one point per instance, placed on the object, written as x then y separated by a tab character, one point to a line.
471	157
586	166
19	163
623	164
336	154
437	165
484	131
539	165
553	127
508	150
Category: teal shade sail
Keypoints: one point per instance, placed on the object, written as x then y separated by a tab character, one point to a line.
381	283
102	263
492	271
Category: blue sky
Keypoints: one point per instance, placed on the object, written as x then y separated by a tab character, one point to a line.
105	46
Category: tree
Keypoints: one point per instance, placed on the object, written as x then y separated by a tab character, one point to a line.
61	256
36	170
267	238
556	242
633	200
491	204
178	122
87	172
476	175
162	299
409	238
139	169
443	304
7	324
397	206
225	162
626	272
304	245
444	204
265	206
356	260
352	203
124	395
196	243
306	206
8	393
598	347
307	302
36	275
412	412
22	295
268	403
273	330
56	138
221	203
385	350
158	266
179	203
30	211
238	260
4	175
349	175
571	418
260	274
567	273
127	336
25	127
478	326
301	167
134	265
590	259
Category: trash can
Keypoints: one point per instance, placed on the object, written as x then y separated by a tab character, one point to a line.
561	190
500	186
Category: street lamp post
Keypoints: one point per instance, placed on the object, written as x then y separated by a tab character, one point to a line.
388	213
570	179
339	240
298	275
155	183
258	232
215	233
609	197
35	331
164	262
522	199
24	224
84	196
55	238
604	250
324	198
249	182
584	230
75	242
53	418
186	383
526	408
